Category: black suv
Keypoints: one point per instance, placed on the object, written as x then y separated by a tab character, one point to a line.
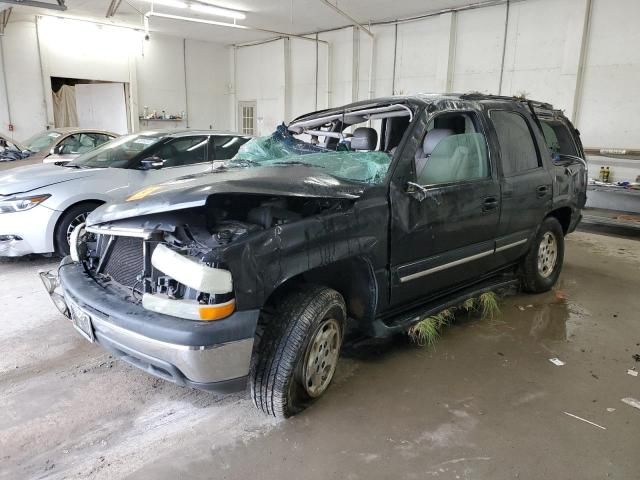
376	213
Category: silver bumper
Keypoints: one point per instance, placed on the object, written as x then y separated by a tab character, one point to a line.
201	365
206	366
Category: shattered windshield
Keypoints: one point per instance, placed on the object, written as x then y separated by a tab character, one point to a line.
282	148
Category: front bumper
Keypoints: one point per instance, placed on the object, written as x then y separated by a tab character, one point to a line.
207	355
31	231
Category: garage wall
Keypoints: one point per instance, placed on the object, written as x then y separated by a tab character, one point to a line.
461	52
154	70
609	112
24	81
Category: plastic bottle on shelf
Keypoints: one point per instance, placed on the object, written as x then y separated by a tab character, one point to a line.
607	173
602	174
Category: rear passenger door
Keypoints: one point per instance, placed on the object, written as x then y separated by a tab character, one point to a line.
526	185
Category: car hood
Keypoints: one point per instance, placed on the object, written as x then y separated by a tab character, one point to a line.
31	177
193	191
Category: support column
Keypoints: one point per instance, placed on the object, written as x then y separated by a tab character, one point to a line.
446	55
575	53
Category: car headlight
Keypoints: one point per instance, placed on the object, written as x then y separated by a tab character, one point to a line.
20	204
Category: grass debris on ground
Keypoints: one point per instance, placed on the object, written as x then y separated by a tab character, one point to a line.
426	331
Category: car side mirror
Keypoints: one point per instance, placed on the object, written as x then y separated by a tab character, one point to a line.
56	150
151	163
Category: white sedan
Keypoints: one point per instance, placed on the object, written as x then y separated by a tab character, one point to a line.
40	205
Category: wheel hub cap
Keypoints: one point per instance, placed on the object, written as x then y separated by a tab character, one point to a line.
74	223
547	254
322	358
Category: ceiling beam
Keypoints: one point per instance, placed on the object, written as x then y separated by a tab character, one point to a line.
59	5
113	8
353	21
4	19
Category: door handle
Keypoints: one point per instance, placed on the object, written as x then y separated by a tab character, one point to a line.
490	203
541	190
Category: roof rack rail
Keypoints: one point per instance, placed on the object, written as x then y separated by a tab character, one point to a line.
485	96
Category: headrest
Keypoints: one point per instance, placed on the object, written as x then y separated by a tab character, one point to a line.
364	138
433	138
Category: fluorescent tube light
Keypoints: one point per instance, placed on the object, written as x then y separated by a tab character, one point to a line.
168	3
217	11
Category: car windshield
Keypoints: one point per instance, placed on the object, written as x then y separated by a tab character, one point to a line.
339	160
119	152
41	141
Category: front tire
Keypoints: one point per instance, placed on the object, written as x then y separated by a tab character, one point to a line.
541	267
69	220
297	351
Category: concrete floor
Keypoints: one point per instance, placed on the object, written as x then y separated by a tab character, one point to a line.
485	403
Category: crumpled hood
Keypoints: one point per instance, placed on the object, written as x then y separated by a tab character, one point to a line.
193	191
31	177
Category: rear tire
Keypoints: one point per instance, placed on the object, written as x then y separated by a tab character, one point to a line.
297	351
540	268
71	218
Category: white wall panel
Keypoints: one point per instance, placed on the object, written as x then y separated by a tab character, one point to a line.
208	78
24	81
608	114
478	50
535	51
260	77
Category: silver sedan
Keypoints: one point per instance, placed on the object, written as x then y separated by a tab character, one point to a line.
40	205
60	144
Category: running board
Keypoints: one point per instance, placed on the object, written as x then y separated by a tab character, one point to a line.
401	323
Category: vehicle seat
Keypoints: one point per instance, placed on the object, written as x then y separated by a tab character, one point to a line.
431	141
364	139
86	144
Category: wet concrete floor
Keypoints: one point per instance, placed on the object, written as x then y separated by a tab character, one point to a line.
484	403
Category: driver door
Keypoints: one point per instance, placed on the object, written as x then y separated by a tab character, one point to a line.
180	156
444	222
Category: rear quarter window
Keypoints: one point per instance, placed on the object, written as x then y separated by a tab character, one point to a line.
558	137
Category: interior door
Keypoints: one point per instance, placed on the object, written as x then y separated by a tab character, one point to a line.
444	226
182	156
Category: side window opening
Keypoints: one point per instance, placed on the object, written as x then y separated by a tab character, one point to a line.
518	151
226	147
453	150
558	137
183	151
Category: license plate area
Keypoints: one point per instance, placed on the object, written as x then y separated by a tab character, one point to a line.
81	321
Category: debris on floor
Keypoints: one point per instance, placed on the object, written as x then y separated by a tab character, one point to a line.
632	372
636	357
557	362
610	409
585	420
632	402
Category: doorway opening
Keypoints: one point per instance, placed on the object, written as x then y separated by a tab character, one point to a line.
247	121
91	104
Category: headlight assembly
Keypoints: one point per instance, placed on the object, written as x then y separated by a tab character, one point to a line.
20	204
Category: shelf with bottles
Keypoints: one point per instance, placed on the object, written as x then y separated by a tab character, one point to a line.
160	116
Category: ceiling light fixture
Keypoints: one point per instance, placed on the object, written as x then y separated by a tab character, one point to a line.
168	3
217	11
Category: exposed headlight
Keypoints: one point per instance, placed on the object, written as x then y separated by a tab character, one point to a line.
20	204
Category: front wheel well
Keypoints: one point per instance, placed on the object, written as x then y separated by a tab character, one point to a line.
353	278
563	215
94	203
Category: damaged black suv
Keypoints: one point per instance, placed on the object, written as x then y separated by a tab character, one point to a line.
375	213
